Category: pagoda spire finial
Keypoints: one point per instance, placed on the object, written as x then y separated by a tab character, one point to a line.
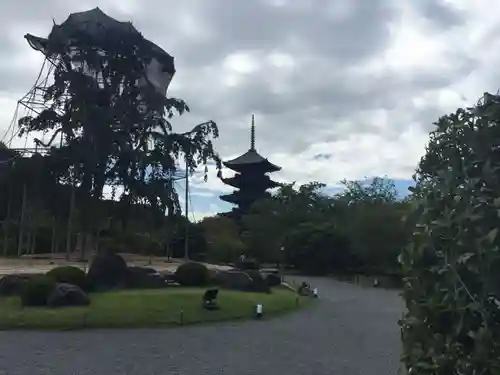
252	134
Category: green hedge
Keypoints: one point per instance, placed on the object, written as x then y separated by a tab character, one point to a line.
451	268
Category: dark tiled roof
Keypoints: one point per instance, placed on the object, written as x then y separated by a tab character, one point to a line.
237	183
251	157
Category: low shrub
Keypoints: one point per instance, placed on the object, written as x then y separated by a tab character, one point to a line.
192	274
37	290
12	285
259	284
107	271
273	279
69	275
233	280
144	277
247	264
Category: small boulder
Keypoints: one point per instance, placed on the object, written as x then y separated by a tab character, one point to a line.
169	278
304	289
68	295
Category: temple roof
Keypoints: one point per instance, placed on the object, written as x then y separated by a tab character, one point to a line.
251	157
238	197
237	182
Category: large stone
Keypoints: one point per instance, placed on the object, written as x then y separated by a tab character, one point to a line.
68	295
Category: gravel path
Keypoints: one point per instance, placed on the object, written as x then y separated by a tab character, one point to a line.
351	331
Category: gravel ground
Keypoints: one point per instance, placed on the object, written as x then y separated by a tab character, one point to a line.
351	331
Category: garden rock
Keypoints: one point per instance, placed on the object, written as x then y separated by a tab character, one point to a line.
170	278
67	295
304	290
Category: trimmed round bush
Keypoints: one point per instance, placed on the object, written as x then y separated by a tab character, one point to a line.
12	285
37	290
192	274
273	279
247	264
144	277
259	284
69	275
107	271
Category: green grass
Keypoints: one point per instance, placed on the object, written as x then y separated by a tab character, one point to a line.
146	308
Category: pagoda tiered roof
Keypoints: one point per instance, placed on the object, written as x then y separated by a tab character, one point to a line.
252	159
250	179
238	180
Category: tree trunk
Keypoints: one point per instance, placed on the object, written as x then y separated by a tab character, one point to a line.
53	241
97	248
33	242
69	229
79	243
6	225
87	246
22	224
28	241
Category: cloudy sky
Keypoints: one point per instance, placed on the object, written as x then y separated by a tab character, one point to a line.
339	88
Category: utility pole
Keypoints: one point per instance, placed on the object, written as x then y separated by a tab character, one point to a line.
186	198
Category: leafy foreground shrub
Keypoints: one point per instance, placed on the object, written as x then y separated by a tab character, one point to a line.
107	271
37	290
451	268
192	274
69	275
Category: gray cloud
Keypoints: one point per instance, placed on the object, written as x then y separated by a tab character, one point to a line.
324	96
441	13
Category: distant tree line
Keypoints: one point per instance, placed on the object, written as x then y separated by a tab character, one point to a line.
360	229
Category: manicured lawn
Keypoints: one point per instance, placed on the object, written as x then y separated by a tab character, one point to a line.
146	308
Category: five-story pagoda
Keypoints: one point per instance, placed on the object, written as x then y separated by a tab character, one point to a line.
251	178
